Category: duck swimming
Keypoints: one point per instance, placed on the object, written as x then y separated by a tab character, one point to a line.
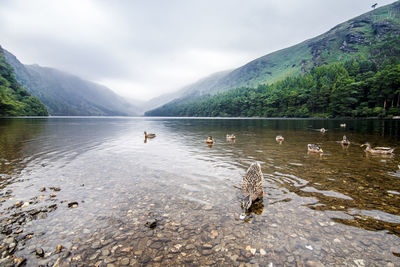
279	138
230	136
209	140
314	148
150	135
322	130
345	141
378	149
252	186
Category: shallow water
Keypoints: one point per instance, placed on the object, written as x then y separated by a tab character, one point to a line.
338	208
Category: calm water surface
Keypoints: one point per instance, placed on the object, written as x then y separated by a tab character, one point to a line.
341	208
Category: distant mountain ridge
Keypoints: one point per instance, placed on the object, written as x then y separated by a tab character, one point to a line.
348	40
198	88
68	95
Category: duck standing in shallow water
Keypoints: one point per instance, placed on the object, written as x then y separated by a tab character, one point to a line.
252	186
345	141
378	149
209	140
314	148
150	135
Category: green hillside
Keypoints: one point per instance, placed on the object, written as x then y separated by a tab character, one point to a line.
373	36
68	95
14	100
355	38
353	89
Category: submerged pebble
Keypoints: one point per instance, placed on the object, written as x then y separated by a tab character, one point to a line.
73	204
39	252
151	223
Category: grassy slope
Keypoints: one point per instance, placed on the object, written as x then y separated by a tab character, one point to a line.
14	100
351	39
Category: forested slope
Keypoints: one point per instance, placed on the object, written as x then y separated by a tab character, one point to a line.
14	100
311	72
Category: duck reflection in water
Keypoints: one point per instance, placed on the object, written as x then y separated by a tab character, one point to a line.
256	208
145	139
252	187
379	157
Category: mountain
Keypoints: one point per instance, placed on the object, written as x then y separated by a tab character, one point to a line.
371	36
198	88
68	95
14	100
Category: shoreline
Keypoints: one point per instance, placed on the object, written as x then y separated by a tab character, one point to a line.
241	118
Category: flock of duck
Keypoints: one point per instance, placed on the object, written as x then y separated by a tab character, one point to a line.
345	142
252	183
210	140
316	148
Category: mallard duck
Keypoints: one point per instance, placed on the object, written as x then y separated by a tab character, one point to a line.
230	136
252	185
345	141
150	135
343	125
322	130
314	148
378	149
279	138
210	140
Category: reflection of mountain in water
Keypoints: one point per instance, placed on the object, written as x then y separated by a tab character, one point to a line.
41	141
358	187
345	181
103	164
14	140
364	188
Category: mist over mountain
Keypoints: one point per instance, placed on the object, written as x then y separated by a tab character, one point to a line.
365	37
372	36
201	87
68	95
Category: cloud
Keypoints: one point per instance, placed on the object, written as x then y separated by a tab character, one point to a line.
145	48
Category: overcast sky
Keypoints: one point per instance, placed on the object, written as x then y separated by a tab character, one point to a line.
142	49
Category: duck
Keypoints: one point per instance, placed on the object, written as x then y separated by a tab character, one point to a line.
150	135
210	140
343	125
322	130
345	141
230	136
314	148
279	138
378	149
252	186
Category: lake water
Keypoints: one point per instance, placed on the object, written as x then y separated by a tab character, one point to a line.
339	208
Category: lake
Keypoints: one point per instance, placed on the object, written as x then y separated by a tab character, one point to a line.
83	191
